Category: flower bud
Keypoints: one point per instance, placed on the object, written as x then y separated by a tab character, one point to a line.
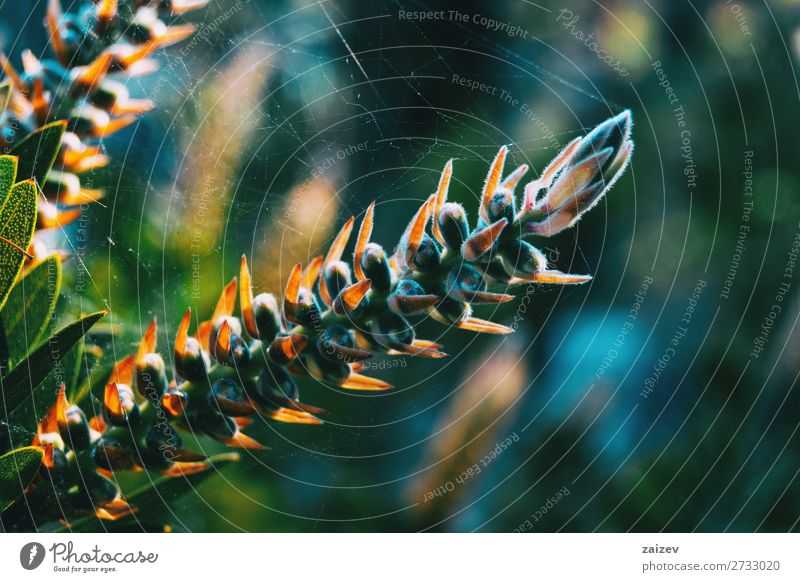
450	310
193	363
428	256
502	205
151	377
353	301
285	348
162	444
75	432
100	489
463	280
227	396
275	386
110	455
337	277
523	259
453	225
267	315
334	335
174	403
409	297
322	368
234	327
612	133
307	311
119	405
390	329
376	267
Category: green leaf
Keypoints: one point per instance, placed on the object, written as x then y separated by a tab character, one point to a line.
72	367
31	387
8	175
37	151
152	499
17	470
29	308
17	222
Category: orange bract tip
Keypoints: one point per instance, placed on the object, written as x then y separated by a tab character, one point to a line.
484	297
148	345
175	34
98	423
30	64
483	326
181	6
559	278
352	295
246	299
492	180
423	343
413	350
223	345
61	406
289	347
441	198
242	441
334	254
113	126
183	468
311	272
293	416
90	75
366	383
411	304
132	106
226	302
53	16
122	372
113	510
173	403
292	293
511	181
480	242
183	333
204	335
82	196
112	401
416	229
49	216
136	54
363	238
106	10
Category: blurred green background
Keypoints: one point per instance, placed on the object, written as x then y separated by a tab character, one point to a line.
614	407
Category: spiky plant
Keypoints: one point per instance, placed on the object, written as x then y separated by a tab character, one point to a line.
68	103
331	317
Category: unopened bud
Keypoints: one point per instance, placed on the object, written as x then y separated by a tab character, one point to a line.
428	256
268	316
376	267
337	277
522	258
193	363
390	329
151	377
453	225
76	430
